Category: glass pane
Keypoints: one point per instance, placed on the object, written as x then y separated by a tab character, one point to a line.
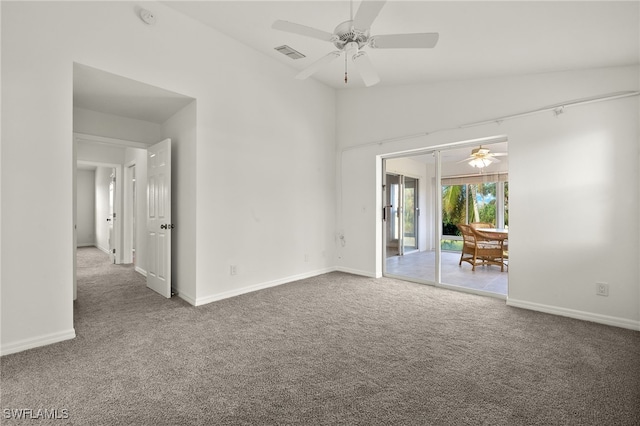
454	209
471	194
483	202
416	262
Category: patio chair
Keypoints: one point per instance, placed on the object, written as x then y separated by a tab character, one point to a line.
477	225
478	249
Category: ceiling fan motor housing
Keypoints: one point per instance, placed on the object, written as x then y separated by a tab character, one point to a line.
346	33
480	151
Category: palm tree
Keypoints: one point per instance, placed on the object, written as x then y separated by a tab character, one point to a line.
474	201
453	211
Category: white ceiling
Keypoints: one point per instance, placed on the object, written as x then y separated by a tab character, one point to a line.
478	39
108	93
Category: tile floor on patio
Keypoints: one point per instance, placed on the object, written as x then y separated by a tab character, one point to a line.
421	266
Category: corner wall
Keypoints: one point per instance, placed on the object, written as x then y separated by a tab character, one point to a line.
264	171
181	128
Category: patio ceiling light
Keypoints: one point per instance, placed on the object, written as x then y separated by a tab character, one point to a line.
480	162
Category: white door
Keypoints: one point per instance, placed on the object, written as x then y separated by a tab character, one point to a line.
159	217
112	217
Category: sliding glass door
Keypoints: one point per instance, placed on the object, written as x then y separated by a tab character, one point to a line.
421	237
401	213
408	228
393	215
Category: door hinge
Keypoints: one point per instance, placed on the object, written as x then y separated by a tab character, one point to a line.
114	251
114	215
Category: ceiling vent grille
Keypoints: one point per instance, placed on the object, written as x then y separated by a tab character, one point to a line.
292	53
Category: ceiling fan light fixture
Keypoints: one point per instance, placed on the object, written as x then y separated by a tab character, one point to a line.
480	163
353	35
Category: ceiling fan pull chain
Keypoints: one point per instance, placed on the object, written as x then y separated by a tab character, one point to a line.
345	70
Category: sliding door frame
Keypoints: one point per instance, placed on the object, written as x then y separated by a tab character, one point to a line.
436	151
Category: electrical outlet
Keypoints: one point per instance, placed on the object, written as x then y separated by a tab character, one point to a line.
233	270
602	289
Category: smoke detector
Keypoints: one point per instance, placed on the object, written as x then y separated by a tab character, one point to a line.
147	17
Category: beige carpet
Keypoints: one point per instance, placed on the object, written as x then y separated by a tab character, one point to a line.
334	349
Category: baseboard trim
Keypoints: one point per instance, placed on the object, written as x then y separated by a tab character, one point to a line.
141	271
106	250
355	272
187	298
35	342
85	245
232	293
572	313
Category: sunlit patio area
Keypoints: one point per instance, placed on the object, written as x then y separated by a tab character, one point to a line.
420	266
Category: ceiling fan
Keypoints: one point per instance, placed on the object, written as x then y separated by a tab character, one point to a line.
352	36
482	157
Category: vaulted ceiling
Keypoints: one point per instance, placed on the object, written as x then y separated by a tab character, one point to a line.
478	39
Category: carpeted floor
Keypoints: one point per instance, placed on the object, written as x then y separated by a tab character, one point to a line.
334	349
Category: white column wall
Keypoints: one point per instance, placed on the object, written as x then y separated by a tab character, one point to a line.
181	128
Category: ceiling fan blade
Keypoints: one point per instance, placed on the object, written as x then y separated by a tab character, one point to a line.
318	64
367	13
465	160
401	41
499	154
291	27
366	70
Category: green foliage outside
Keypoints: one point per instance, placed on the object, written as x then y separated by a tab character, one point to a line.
451	245
481	205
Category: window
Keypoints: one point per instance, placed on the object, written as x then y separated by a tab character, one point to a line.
477	198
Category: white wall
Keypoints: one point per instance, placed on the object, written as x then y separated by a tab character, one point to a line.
573	180
102	210
86	208
99	153
108	125
181	128
264	170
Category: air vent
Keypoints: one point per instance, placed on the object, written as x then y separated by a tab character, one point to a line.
293	54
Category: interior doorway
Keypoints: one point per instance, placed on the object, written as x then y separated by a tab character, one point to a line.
116	118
